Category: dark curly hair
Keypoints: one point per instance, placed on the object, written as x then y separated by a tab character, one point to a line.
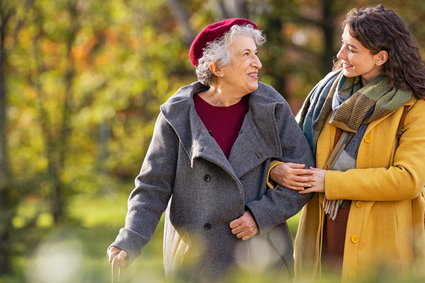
378	28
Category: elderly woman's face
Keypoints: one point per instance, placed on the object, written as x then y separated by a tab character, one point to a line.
356	59
241	74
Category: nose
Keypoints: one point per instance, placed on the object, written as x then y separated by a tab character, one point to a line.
342	53
256	62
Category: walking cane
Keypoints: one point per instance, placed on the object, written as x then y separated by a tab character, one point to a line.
115	270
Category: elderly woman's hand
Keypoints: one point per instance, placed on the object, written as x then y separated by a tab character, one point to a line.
244	227
116	252
293	176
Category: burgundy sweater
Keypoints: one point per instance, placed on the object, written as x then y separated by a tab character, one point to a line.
223	123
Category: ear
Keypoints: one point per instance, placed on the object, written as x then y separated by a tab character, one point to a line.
381	57
216	69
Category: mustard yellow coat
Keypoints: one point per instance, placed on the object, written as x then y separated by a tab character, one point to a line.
386	220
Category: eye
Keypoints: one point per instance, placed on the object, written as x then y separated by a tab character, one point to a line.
349	48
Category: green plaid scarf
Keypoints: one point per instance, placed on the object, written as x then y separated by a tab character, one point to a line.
377	98
363	105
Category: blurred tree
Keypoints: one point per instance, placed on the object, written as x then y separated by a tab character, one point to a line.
181	16
5	210
55	122
11	21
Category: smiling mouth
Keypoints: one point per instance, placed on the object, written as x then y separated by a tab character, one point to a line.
346	65
253	75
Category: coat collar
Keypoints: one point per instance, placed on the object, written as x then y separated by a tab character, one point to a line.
256	141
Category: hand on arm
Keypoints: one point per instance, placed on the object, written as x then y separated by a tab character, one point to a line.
244	227
292	176
318	185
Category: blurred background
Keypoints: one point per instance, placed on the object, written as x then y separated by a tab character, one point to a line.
81	82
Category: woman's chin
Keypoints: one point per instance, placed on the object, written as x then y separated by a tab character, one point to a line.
348	73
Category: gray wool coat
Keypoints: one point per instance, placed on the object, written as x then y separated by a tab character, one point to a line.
186	173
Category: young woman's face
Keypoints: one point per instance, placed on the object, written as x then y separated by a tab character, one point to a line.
356	59
241	74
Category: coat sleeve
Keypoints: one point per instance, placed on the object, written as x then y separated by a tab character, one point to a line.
153	189
277	205
400	179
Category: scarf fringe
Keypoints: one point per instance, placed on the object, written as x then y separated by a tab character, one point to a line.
331	207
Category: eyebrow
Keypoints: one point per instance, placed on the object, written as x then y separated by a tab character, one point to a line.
352	46
248	49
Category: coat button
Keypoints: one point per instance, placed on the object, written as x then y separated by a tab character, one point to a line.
207	226
355	239
359	204
368	138
207	178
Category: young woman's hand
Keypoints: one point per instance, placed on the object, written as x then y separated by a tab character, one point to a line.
318	185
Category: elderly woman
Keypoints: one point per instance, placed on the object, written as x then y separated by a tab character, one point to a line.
208	159
365	121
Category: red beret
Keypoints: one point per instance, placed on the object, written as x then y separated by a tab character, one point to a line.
212	32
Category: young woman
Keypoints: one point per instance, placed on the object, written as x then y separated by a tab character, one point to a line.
365	122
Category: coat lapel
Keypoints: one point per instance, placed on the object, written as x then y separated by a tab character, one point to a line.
249	149
254	144
258	138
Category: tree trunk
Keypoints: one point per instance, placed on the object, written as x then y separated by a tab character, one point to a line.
328	28
59	205
181	16
5	205
233	9
56	134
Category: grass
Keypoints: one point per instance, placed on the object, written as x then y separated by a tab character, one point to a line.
77	252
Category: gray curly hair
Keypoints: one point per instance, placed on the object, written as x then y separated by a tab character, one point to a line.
218	50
